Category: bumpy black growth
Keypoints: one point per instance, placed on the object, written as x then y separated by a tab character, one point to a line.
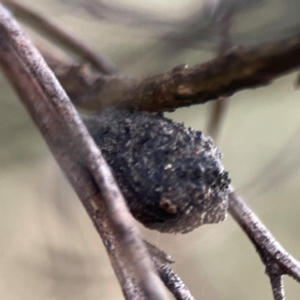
170	175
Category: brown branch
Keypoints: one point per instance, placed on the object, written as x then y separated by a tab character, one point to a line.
52	31
174	283
171	280
80	159
87	88
275	273
277	287
276	259
240	68
273	270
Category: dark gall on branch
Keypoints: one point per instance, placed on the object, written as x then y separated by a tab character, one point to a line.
171	176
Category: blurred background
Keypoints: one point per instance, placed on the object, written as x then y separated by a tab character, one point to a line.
48	246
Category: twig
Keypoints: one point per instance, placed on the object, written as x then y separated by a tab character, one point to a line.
174	283
52	31
273	270
240	68
80	159
171	280
220	107
277	287
87	88
217	117
275	273
273	255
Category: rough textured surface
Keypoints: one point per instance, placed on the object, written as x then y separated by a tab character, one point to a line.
171	176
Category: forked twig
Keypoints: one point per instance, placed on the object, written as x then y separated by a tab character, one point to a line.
80	159
276	259
174	283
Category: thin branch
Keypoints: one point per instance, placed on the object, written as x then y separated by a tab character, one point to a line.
239	69
273	270
86	88
275	273
52	31
80	159
174	283
171	280
277	287
220	107
217	117
269	249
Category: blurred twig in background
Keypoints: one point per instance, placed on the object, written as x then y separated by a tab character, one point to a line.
60	36
220	107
